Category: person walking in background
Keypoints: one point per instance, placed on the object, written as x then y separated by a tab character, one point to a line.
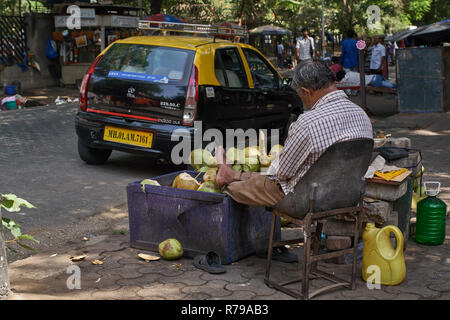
368	54
280	51
378	59
349	53
305	46
293	53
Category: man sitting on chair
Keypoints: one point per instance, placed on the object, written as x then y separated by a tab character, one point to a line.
331	118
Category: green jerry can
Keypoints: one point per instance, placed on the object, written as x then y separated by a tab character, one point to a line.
431	212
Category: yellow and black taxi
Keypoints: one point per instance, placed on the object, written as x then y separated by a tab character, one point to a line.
139	90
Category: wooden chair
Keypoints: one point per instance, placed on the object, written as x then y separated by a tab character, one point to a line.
334	185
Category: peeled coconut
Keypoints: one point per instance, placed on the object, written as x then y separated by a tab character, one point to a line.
209	186
149	182
170	249
210	175
251	152
265	160
196	158
185	181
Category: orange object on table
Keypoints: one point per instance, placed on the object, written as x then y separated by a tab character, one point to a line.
390	174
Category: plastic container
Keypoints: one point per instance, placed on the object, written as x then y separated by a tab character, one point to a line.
11	105
10	90
431	214
378	251
200	221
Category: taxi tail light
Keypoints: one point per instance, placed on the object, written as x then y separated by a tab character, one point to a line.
84	84
190	107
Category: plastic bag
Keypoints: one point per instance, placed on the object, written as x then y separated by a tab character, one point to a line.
51	51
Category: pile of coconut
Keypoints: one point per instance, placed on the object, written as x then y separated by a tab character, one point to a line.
250	159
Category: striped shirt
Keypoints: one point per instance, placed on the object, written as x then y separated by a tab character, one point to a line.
333	118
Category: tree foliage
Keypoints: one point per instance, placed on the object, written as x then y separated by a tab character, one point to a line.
340	15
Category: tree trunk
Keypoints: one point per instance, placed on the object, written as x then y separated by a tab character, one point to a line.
155	6
241	12
4	279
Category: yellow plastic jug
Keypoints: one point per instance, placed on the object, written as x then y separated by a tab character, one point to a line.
379	255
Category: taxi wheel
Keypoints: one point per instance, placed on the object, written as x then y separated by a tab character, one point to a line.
91	155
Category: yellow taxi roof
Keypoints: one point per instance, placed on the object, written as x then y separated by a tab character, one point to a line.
181	42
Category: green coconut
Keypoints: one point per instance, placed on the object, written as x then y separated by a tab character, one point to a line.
252	164
208	159
148	182
235	155
201	158
196	158
170	249
209	186
237	167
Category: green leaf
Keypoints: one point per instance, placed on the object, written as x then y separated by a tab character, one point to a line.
16	232
9	223
27	237
25	246
12	203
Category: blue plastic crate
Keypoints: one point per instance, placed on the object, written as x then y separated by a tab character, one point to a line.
201	221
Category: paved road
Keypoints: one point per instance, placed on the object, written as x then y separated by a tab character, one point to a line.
39	162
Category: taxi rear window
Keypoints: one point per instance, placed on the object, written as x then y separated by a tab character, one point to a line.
145	63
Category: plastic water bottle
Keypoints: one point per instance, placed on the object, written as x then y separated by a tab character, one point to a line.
431	214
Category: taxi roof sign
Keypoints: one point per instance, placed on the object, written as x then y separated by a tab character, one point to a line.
211	30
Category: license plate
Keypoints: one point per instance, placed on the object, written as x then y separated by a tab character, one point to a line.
126	136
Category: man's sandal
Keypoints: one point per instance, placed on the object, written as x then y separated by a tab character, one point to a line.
209	262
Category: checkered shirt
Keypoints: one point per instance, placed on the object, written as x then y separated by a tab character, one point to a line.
333	118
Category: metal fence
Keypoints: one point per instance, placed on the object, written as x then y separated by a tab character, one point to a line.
13	42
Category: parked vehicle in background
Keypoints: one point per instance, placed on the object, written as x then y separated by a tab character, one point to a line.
139	90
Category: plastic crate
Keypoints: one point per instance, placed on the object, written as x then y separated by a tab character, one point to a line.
201	221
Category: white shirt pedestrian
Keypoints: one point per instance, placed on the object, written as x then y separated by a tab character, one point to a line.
305	47
378	52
